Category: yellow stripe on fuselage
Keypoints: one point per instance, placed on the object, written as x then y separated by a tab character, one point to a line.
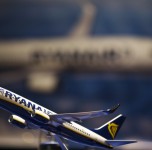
22	102
15	103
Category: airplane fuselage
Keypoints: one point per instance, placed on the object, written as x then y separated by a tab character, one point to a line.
23	108
90	54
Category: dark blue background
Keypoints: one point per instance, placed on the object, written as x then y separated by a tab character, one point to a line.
80	91
28	19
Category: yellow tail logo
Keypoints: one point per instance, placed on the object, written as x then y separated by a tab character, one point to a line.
112	127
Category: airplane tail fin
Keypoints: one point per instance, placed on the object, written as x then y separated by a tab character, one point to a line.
115	143
111	128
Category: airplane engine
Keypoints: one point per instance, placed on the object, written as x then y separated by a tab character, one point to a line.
17	121
40	116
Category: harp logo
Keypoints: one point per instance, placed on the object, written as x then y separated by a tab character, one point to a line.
112	127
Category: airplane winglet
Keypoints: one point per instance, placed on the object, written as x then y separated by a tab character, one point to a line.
113	109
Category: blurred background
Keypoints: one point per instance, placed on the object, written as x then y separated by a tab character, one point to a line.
81	55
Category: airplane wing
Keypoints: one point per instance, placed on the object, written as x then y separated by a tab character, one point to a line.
82	115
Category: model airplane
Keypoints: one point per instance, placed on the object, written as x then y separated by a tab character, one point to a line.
27	114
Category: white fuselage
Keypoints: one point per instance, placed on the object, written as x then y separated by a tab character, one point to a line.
13	102
98	53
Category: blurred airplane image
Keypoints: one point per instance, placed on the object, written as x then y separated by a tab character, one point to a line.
47	58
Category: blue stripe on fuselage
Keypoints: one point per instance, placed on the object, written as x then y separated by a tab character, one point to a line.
14	109
22	101
78	138
19	111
